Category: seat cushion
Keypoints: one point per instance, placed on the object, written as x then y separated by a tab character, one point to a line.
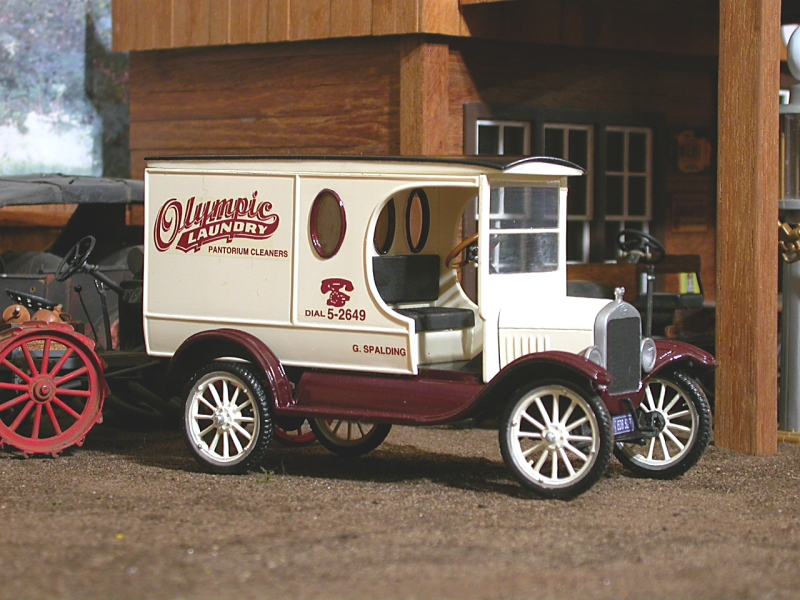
412	278
439	318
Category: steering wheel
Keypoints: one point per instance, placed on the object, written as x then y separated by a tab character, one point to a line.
450	263
641	247
75	258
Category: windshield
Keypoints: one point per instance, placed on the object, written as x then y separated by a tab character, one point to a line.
523	229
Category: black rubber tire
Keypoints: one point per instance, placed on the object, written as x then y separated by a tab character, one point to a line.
258	409
600	434
352	448
700	414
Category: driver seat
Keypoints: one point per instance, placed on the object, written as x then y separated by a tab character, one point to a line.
414	279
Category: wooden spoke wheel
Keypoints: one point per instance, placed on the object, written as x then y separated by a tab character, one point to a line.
349	439
51	388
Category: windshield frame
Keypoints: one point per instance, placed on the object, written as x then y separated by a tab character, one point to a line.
546	236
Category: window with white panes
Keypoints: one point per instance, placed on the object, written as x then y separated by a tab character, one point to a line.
629	182
503	138
575	143
601	203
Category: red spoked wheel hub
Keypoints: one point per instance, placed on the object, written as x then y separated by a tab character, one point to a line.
51	388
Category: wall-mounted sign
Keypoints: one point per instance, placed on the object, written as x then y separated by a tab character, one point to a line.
690	213
694	152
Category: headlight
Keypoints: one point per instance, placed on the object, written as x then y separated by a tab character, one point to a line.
648	355
594	354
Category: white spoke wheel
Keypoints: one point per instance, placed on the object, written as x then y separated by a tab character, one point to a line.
227	420
349	438
556	439
681	412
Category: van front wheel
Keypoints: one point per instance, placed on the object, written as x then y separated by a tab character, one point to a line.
556	439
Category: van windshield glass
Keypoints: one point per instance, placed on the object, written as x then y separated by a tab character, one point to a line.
523	229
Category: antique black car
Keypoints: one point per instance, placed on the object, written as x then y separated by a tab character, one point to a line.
111	211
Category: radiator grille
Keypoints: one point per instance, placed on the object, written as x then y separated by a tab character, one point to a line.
622	354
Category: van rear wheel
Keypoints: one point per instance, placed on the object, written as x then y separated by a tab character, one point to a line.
349	438
227	422
556	439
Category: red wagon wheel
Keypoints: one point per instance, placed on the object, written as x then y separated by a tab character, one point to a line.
299	436
51	389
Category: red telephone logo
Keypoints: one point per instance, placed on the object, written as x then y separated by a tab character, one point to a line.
335	288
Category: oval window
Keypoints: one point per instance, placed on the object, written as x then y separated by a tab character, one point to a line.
418	220
385	228
328	223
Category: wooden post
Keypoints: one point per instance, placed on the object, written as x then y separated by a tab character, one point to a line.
747	269
423	97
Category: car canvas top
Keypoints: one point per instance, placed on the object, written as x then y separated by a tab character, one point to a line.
64	189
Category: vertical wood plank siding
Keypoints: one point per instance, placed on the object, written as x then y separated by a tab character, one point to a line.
746	413
259	22
310	19
191	23
220	17
162	24
351	18
296	98
278	21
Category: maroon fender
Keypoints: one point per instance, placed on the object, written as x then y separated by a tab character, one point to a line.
206	346
594	372
669	352
544	365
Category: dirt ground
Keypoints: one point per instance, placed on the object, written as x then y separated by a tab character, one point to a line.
433	513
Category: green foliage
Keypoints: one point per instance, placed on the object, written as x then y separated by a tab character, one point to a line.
41	59
46	56
56	60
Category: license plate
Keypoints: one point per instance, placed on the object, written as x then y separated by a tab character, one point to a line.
623	424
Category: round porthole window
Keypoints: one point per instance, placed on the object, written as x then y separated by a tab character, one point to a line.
328	223
418	220
385	228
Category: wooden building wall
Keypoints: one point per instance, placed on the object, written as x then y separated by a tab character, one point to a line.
344	97
679	26
334	97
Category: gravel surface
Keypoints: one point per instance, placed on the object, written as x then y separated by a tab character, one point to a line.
433	513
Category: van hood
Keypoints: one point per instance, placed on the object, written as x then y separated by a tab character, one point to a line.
566	313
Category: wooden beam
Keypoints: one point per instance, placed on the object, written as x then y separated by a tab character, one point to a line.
423	97
463	2
746	393
36	216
